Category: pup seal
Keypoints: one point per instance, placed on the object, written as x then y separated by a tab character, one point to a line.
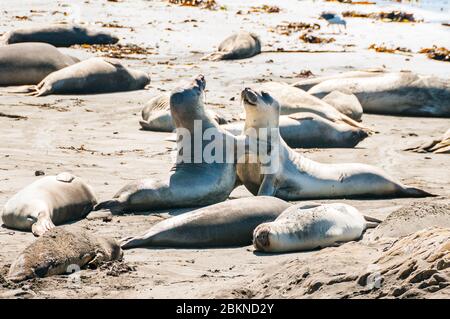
29	63
59	36
310	226
291	176
226	224
294	100
60	250
156	115
192	181
404	93
92	76
49	201
439	145
309	130
241	45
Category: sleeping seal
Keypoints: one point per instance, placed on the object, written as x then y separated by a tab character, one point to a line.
156	115
309	130
60	250
294	177
92	76
241	45
193	181
398	93
311	226
226	224
29	63
49	201
59	36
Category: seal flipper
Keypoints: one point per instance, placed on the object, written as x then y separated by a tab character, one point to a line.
371	222
43	224
215	56
113	205
415	192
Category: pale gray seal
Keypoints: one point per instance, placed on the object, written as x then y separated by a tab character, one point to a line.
311	226
440	145
92	76
241	45
400	93
59	35
309	130
192	182
29	63
49	201
292	176
347	104
156	115
61	251
226	224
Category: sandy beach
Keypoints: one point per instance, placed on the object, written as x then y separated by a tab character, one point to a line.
98	138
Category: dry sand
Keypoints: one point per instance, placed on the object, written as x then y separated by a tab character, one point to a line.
97	137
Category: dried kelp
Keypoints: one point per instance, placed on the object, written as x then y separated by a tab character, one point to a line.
309	38
384	49
290	27
436	53
393	16
118	51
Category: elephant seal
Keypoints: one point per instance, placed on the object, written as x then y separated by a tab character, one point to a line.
294	100
347	104
92	76
193	180
29	63
49	201
439	145
60	251
398	93
241	45
291	176
311	226
309	130
156	115
226	224
59	36
308	83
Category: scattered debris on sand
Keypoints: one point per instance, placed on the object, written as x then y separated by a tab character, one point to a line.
384	49
13	116
393	16
119	51
204	4
436	53
290	27
309	38
353	2
116	268
266	9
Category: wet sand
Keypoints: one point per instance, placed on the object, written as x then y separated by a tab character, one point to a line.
98	137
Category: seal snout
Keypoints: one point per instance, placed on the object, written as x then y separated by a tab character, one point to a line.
200	81
249	96
261	239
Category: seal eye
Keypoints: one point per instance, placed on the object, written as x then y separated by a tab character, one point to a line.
265	94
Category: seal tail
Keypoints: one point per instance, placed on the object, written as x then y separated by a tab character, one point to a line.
215	56
130	242
112	205
145	125
371	222
416	192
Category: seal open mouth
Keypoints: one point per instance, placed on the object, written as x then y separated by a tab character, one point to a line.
249	96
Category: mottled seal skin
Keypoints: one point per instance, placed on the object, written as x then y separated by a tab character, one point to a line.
311	226
92	76
156	115
241	45
29	63
190	183
440	145
294	100
59	36
226	224
61	251
309	130
49	201
294	177
398	93
347	104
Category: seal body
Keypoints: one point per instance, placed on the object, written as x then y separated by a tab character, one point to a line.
400	93
193	180
59	35
230	223
307	227
290	176
95	75
156	115
61	251
347	104
29	63
241	45
309	130
294	100
51	200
